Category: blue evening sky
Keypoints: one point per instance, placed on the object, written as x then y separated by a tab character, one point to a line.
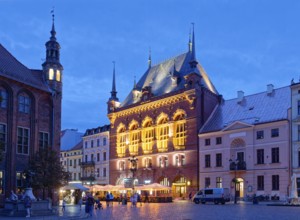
242	44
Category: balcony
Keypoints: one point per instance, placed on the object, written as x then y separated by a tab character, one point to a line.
239	165
88	178
88	163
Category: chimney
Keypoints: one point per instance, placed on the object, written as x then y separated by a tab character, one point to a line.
240	97
270	89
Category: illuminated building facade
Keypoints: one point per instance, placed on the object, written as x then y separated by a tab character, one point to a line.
30	113
158	124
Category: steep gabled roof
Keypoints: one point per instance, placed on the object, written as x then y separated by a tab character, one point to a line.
253	109
11	68
159	77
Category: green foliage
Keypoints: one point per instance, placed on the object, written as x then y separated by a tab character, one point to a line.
49	173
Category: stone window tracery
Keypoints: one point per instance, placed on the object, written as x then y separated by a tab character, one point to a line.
179	139
121	141
162	134
147	136
134	137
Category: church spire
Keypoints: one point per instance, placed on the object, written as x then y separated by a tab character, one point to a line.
53	32
193	62
190	42
113	90
134	83
149	59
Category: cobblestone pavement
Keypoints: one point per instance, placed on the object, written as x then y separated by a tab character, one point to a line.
180	210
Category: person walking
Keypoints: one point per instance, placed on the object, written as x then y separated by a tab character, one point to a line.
107	198
63	205
111	199
90	202
27	205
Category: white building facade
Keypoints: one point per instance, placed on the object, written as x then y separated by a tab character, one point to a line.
95	158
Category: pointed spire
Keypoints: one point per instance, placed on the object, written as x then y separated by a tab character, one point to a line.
53	32
134	83
190	42
193	62
113	90
149	59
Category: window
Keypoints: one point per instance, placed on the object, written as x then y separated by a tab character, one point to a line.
207	182
260	135
1	182
260	183
219	182
3	98
19	183
134	137
219	140
58	75
260	156
104	141
70	162
104	156
92	157
275	132
3	136
162	135
23	141
51	74
98	142
43	140
207	160
179	138
298	107
92	143
122	165
148	163
121	142
148	137
86	158
24	104
218	160
74	178
98	156
104	172
275	155
207	142
275	182
163	161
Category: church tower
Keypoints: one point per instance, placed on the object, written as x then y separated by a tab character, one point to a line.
113	101
52	67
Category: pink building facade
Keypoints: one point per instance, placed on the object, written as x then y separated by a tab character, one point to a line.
245	145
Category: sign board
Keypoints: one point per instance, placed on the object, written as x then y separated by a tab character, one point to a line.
129	183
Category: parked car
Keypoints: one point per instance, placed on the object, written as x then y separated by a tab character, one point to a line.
216	195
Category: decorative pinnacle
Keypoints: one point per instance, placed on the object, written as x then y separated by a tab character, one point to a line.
149	59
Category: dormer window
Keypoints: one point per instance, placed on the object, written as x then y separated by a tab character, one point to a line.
58	76
51	74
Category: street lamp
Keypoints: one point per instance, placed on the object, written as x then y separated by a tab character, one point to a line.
235	164
133	168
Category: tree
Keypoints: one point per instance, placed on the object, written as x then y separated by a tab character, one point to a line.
48	171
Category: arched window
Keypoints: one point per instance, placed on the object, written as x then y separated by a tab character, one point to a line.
179	160
121	165
147	162
163	161
58	75
148	136
179	139
162	134
134	137
121	141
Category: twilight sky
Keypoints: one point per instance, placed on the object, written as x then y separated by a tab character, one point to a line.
242	44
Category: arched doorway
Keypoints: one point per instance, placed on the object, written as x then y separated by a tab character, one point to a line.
179	187
237	186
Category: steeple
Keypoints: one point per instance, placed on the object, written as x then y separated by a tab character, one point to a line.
149	59
113	90
52	67
190	42
134	84
193	62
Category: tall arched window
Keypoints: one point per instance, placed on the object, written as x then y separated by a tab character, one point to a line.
121	141
3	98
24	103
147	136
134	137
162	134
179	139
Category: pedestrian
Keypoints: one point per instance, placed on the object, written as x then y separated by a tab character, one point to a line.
27	205
111	199
80	203
90	202
139	199
107	198
63	205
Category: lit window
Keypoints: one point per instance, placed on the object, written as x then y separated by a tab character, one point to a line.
180	131
121	142
148	137
58	76
219	182
162	135
51	74
134	137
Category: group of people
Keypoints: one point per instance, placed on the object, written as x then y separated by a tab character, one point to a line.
135	198
109	198
26	199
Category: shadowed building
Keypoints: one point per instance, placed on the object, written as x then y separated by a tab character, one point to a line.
158	124
30	112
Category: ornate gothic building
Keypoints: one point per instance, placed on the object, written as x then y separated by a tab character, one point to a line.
30	112
157	125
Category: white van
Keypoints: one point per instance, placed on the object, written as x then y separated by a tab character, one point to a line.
216	195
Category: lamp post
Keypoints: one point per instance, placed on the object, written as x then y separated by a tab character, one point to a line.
235	164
